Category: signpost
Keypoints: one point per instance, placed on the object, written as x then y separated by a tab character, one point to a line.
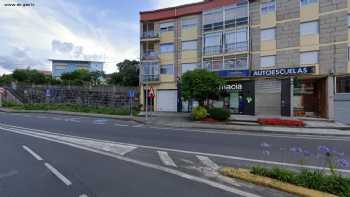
151	95
131	95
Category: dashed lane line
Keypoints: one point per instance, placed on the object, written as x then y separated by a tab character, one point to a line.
30	151
59	175
208	162
166	159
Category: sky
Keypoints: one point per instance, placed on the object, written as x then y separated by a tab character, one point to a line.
100	30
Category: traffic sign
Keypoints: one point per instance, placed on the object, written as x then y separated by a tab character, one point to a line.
131	94
151	92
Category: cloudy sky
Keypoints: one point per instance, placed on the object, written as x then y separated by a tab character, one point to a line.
106	30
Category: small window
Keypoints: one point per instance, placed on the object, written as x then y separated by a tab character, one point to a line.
309	58
167	69
268	7
309	28
189	23
348	20
268	61
189	45
307	2
167	48
188	67
164	27
343	84
268	34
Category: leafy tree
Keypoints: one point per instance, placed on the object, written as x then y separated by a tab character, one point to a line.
6	79
30	76
200	85
82	77
127	75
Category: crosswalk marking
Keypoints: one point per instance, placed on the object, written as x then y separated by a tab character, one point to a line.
207	162
166	159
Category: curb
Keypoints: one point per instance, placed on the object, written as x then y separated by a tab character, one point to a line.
265	181
251	130
117	117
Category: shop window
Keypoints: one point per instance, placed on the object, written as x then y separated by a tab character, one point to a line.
268	34
268	61
167	48
268	7
307	2
343	84
167	69
189	45
309	28
309	58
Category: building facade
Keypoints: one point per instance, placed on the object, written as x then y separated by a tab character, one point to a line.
66	66
282	57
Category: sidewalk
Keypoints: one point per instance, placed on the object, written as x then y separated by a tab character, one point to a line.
236	123
248	123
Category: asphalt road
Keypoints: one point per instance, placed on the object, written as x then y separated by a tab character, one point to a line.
105	157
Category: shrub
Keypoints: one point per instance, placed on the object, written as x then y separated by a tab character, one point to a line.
219	114
199	113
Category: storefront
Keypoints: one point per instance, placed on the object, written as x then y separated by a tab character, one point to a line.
238	97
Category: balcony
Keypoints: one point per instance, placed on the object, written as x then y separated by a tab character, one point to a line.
212	50
236	47
150	55
150	35
151	78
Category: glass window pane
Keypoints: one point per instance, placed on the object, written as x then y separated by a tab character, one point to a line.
189	22
189	45
268	7
309	58
167	69
167	48
268	34
309	28
268	61
343	84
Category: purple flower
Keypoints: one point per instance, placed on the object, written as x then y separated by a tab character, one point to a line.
342	163
324	149
337	153
296	149
265	145
307	153
266	152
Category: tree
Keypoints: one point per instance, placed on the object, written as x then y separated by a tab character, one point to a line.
200	85
30	76
6	79
82	77
127	75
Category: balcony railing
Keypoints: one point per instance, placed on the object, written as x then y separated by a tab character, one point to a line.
150	78
150	34
212	50
150	55
236	47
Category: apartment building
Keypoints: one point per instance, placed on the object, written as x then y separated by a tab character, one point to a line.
282	57
66	66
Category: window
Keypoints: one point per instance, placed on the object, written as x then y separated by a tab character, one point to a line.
309	58
236	63
188	67
309	28
343	84
268	61
212	43
236	40
268	34
213	20
164	27
167	48
189	23
189	45
213	64
307	2
167	69
348	20
268	7
236	16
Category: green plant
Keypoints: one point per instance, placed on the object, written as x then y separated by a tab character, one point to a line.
219	114
199	113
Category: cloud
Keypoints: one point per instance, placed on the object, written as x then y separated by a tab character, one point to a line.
170	3
18	58
62	47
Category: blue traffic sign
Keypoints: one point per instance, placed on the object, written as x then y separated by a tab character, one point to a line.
131	93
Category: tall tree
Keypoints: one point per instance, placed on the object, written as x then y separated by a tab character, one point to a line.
127	75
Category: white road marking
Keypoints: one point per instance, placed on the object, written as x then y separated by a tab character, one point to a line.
57	118
58	174
139	125
83	195
42	117
36	156
121	125
34	133
152	166
166	159
207	162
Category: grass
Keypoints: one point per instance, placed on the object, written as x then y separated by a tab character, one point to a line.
317	180
124	111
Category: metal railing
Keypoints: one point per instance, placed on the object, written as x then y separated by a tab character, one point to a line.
150	77
150	34
150	55
236	47
212	50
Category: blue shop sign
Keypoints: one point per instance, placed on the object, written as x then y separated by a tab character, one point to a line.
284	72
233	73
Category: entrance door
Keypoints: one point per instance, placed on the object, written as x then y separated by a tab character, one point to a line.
167	100
268	97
